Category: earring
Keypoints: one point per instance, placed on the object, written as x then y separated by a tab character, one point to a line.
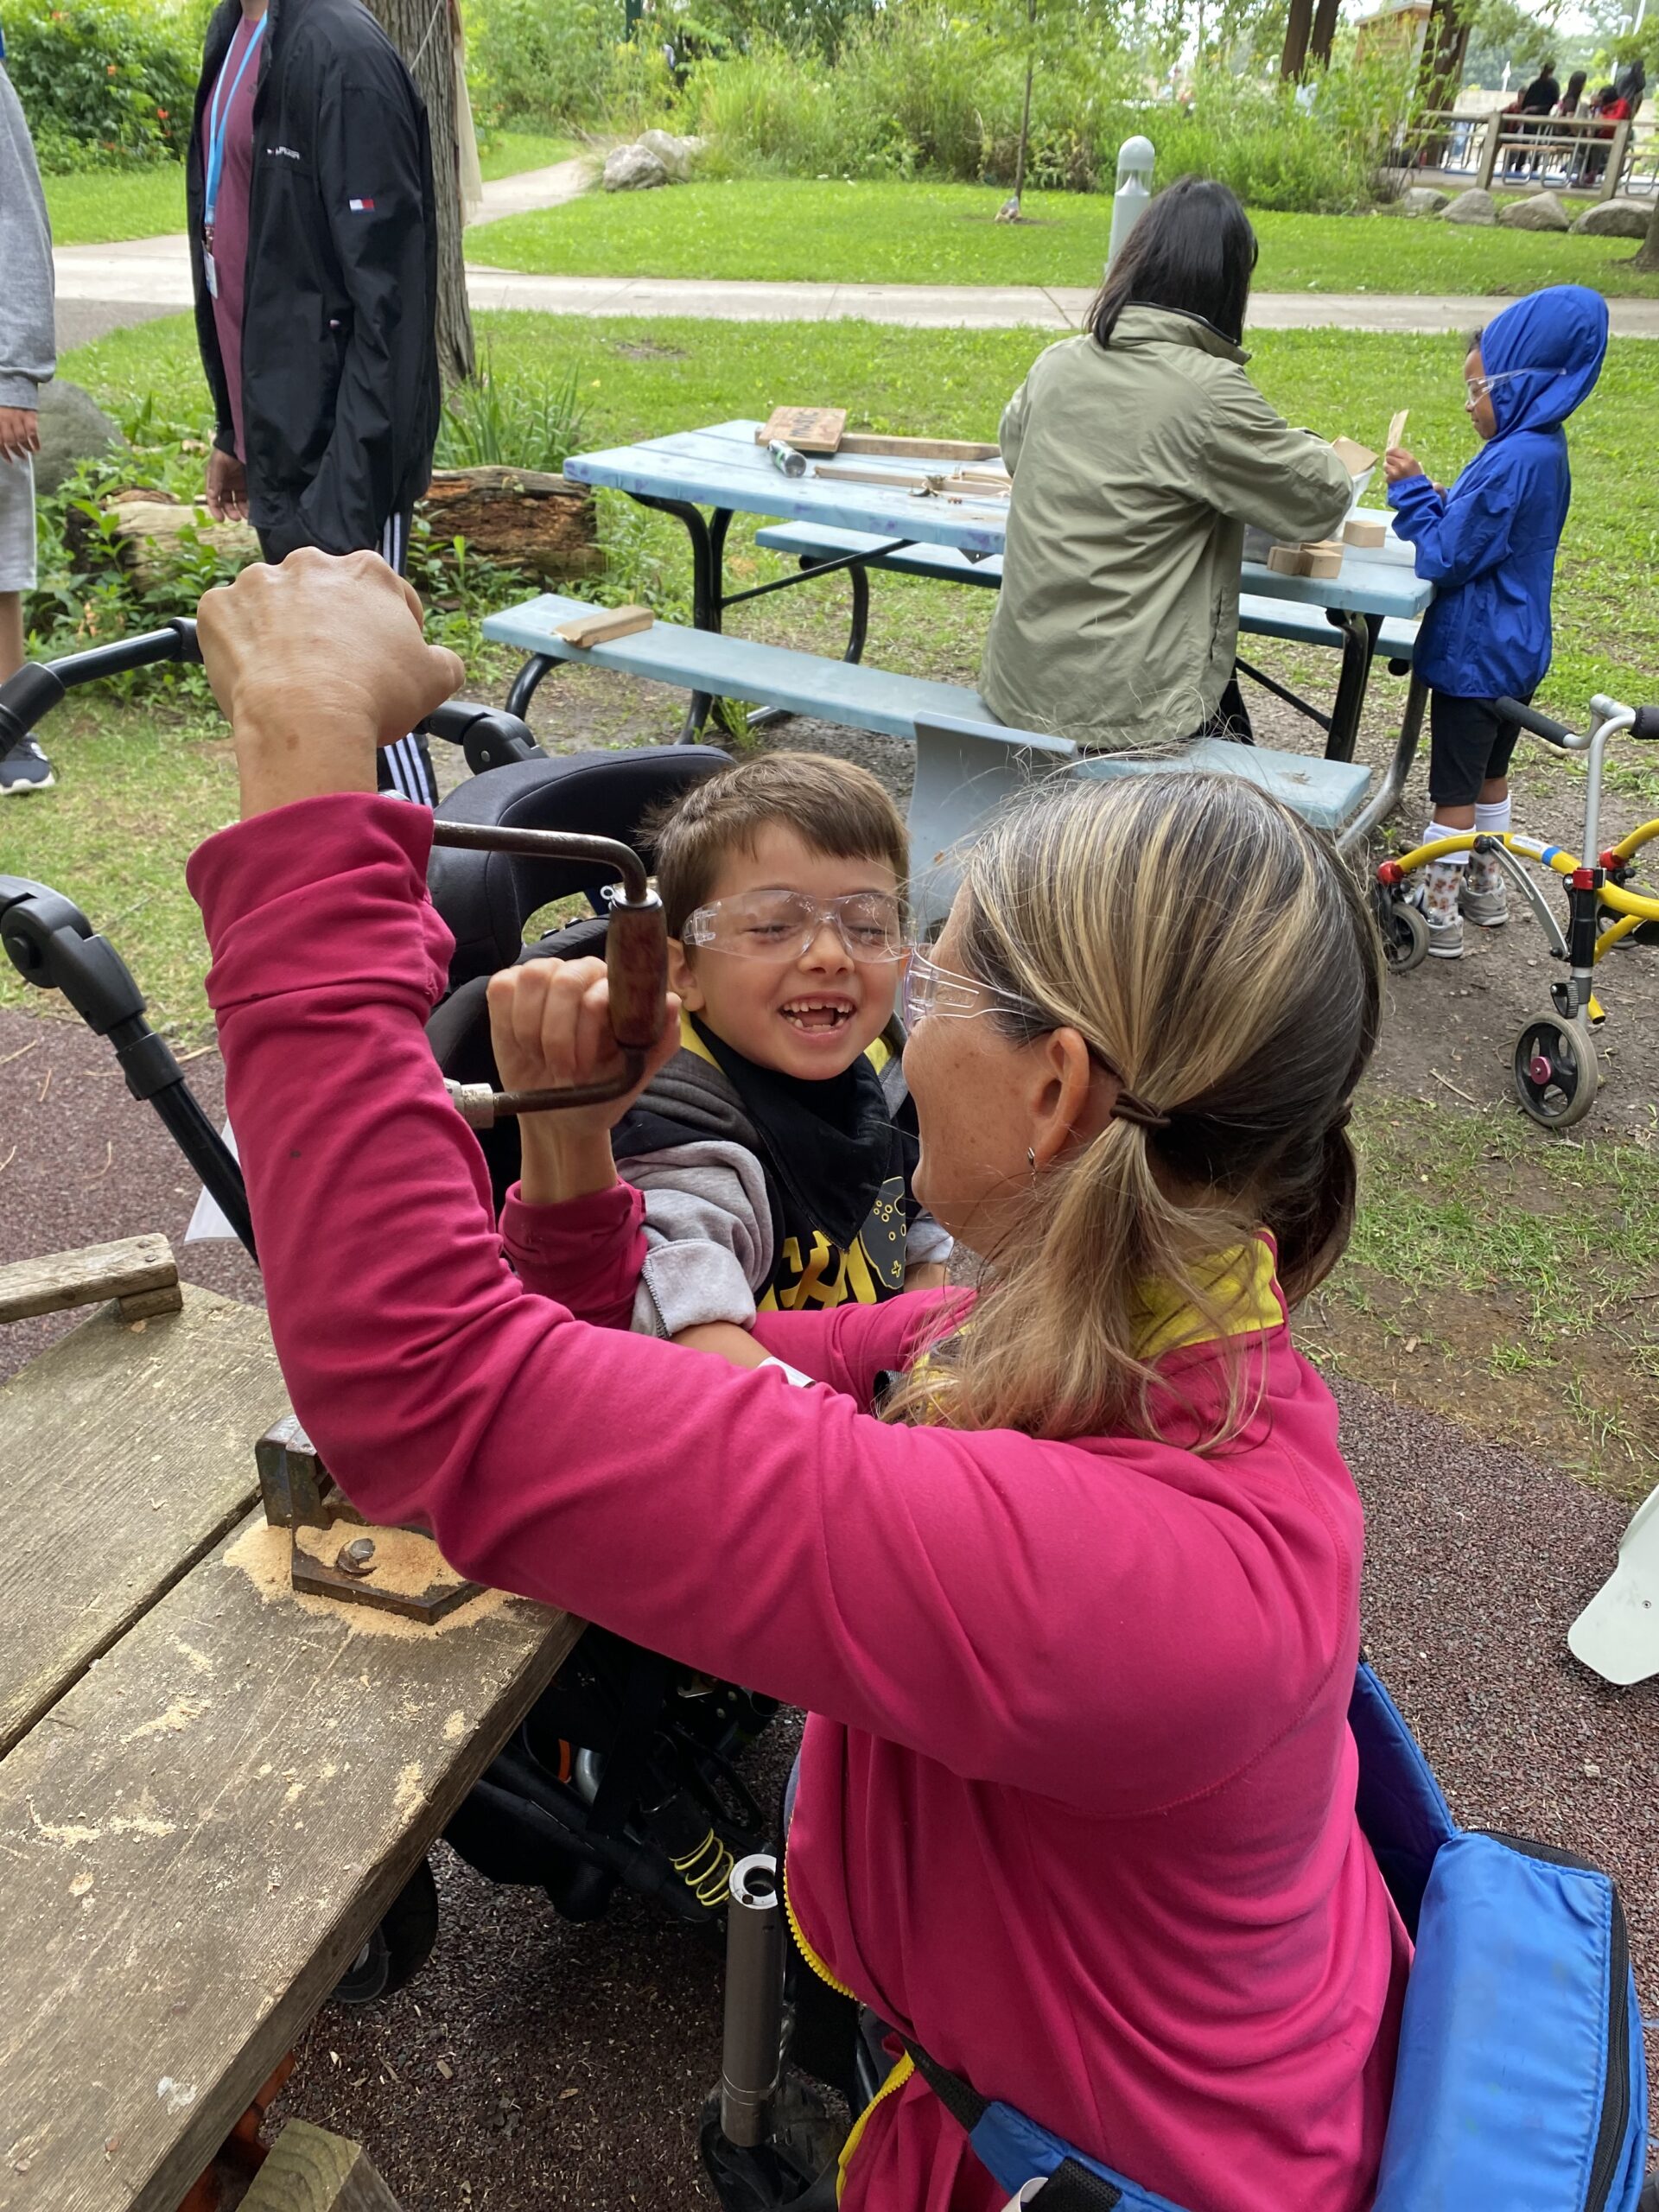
1030	1161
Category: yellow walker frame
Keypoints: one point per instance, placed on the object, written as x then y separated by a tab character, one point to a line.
1556	1071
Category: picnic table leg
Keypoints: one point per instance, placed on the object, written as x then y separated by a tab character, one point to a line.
708	585
858	575
1377	809
1359	634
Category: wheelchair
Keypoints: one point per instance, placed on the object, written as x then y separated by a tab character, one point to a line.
623	1773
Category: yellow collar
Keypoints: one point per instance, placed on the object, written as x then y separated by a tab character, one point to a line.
1239	1284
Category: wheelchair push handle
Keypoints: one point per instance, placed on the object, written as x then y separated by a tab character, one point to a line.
636	963
27	697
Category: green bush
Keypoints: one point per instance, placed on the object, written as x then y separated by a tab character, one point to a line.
542	61
920	91
106	84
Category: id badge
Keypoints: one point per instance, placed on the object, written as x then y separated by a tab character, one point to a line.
210	273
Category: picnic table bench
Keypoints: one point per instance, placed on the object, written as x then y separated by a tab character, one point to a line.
210	1788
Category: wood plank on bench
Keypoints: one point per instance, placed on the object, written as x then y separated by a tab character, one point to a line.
129	1453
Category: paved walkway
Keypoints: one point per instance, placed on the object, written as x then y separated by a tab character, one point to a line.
532	189
107	285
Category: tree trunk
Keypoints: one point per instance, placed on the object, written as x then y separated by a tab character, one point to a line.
1324	30
423	33
1293	59
1647	254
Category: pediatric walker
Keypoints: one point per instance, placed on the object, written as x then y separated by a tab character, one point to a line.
1556	1073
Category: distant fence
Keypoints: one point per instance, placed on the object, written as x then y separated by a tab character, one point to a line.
1576	153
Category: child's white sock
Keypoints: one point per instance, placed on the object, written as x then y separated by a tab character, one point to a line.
1435	832
1492	819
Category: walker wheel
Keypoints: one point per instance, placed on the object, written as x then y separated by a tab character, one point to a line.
1405	936
1556	1076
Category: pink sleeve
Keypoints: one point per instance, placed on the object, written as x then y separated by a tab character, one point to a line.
933	1587
589	1254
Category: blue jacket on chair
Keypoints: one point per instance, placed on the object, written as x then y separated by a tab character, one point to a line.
1488	544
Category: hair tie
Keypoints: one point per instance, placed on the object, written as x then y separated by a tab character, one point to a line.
1129	1109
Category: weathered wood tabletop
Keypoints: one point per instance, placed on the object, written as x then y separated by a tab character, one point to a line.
210	1788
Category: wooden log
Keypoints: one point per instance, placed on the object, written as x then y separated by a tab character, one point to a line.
150	534
523	517
310	2171
129	1269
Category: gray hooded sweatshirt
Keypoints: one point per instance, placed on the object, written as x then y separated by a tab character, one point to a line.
28	338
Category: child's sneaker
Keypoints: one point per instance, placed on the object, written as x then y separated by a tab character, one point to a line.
1442	881
1485	898
25	768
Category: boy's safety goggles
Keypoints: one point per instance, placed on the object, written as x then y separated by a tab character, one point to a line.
1477	387
780	925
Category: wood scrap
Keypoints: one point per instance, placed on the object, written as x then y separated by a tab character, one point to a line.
1397	428
133	1270
809	429
893	480
874	443
1368	533
604	626
1286	560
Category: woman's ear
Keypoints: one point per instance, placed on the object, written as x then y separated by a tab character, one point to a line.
1072	1096
682	977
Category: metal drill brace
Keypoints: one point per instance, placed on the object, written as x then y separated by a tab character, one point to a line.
298	1492
636	962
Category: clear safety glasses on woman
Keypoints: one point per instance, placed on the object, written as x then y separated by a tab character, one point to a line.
928	989
780	925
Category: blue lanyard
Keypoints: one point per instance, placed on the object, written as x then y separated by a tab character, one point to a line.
219	121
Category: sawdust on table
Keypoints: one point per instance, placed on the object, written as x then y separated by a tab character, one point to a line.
403	1562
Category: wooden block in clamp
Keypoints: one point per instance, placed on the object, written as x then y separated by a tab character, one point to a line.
1368	533
604	626
308	2170
130	1270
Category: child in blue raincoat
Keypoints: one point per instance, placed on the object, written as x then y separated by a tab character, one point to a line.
1488	545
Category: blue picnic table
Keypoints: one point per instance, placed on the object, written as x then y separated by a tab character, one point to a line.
724	469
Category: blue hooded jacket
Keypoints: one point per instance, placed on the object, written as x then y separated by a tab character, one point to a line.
1488	545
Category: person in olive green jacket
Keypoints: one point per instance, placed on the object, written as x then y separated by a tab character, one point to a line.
1139	451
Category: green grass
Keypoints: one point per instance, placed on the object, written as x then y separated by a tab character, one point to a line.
507	153
100	207
893	233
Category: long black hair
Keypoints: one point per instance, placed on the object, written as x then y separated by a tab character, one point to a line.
1193	250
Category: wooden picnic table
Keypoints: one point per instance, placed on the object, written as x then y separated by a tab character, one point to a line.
722	469
210	1789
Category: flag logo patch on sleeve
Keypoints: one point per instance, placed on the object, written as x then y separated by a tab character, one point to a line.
361	206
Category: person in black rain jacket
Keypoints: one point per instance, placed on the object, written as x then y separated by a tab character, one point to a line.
314	252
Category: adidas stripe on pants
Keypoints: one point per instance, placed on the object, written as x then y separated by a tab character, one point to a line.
406	767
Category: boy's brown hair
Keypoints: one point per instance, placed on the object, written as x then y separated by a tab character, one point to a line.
831	805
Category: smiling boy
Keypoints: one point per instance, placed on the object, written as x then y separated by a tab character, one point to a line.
775	1151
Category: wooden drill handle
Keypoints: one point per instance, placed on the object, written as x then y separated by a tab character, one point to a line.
636	962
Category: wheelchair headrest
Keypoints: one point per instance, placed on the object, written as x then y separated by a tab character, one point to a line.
487	898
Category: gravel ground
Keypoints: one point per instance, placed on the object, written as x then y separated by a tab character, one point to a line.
534	2064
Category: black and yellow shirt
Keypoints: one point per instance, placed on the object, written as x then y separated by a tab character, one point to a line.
766	1191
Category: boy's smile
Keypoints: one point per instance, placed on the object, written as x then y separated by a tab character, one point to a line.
811	1013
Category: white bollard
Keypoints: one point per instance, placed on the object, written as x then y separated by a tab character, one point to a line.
1135	159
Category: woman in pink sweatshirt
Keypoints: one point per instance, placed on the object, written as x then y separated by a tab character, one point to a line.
1077	1621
